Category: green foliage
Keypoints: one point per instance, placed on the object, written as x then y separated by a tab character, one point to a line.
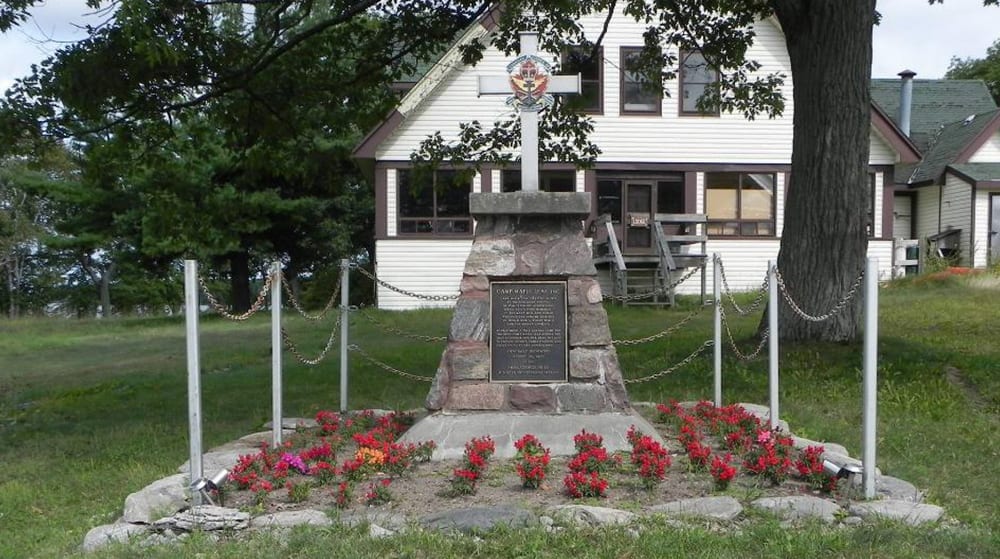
986	69
214	131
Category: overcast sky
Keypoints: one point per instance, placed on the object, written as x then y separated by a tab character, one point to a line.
913	35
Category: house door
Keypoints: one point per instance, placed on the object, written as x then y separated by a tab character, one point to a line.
994	241
638	217
902	217
632	204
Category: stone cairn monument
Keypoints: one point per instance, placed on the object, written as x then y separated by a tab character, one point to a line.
529	333
529	336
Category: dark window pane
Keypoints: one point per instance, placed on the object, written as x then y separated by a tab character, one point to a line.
670	197
609	199
587	63
452	195
416	196
510	181
558	181
416	226
453	226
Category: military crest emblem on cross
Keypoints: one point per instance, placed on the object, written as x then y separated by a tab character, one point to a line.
529	81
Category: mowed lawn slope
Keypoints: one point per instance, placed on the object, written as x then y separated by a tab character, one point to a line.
93	410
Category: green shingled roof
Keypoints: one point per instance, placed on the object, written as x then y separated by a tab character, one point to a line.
935	104
950	141
979	171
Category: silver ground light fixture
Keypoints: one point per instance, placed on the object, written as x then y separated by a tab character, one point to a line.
205	486
839	471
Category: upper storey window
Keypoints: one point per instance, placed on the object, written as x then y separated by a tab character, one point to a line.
696	79
639	95
587	63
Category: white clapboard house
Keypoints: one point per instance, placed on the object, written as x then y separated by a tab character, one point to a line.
949	201
668	175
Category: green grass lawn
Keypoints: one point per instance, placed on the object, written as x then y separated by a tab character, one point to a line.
93	410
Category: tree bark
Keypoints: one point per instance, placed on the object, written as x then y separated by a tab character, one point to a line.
105	288
239	280
824	241
101	278
12	288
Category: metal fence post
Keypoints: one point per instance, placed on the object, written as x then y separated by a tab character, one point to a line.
870	375
772	340
191	310
345	271
276	381
717	327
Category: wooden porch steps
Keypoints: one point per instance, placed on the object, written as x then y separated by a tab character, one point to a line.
653	273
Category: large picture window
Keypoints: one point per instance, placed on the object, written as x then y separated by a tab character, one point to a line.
434	203
589	64
639	95
548	181
740	204
696	79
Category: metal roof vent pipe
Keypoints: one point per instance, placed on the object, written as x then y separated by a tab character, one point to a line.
905	100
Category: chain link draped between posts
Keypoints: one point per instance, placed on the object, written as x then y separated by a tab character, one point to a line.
732	340
660	291
290	346
658	335
741	311
758	300
398	331
367	357
822	317
298	306
705	345
221	310
402	291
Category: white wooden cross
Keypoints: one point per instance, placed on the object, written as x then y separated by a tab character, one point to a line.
530	86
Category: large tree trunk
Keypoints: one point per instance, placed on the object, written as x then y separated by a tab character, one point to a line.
239	280
824	241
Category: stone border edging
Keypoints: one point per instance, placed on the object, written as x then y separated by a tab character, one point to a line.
162	512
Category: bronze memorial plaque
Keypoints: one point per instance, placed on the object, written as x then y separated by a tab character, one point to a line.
528	331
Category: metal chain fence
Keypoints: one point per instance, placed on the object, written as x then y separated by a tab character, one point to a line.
221	310
398	331
367	357
818	318
660	291
290	346
732	341
298	306
402	291
666	332
758	300
707	344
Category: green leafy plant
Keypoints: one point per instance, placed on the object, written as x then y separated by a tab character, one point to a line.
531	462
